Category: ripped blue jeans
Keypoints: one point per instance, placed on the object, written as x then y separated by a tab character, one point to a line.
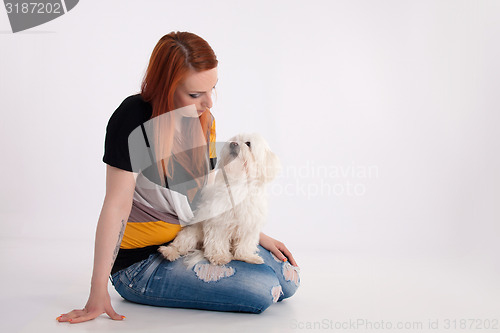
237	286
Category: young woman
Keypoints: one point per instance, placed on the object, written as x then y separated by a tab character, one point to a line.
141	210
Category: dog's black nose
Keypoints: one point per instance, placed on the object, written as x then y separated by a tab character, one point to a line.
234	148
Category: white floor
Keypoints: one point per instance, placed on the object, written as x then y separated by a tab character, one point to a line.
346	292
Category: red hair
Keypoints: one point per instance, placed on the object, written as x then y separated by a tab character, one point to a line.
173	57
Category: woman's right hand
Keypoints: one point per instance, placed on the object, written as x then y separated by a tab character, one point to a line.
96	305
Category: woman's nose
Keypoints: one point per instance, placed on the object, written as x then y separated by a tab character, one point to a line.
208	101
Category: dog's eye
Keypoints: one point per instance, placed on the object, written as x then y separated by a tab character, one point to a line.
248	144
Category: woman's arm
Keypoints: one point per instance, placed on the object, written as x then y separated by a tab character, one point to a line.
116	208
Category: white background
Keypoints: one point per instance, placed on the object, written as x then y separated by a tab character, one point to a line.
407	89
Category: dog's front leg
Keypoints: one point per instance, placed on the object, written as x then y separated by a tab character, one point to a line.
245	247
216	242
186	240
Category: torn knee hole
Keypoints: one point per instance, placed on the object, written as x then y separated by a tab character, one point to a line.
291	273
276	291
209	272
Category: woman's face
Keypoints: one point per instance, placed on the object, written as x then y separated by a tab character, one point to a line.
196	89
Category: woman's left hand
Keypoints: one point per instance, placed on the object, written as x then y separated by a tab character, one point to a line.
277	248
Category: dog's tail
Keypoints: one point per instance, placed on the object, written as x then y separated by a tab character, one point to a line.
193	257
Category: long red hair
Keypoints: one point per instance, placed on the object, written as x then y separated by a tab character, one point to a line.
173	57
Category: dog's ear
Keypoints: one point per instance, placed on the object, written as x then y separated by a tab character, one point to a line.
272	166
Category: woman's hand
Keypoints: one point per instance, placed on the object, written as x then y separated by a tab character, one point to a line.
97	304
277	248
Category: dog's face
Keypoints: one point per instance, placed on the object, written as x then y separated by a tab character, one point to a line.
249	156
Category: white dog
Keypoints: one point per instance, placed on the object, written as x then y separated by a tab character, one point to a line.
233	208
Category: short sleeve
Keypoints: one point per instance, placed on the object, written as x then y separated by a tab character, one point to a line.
129	115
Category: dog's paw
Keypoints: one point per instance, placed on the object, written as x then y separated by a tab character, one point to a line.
220	259
169	252
251	259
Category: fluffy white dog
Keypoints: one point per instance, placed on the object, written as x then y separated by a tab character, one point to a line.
233	207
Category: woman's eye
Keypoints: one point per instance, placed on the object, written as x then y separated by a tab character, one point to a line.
248	144
194	95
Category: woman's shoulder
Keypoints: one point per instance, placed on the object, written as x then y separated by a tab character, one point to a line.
135	100
132	112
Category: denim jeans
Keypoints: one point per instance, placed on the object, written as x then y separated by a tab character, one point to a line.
237	286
